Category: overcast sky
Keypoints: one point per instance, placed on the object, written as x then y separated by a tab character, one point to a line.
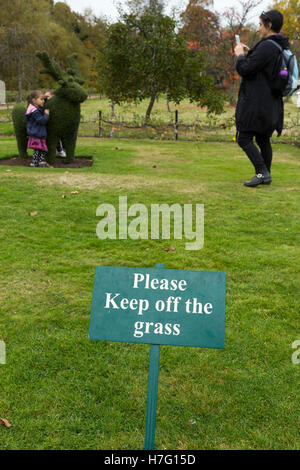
107	7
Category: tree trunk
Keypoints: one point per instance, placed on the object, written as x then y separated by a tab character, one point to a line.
168	103
113	109
150	106
19	97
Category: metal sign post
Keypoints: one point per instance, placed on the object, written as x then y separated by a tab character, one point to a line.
152	393
152	397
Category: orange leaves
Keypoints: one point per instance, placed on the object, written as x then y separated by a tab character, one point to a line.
171	248
5	422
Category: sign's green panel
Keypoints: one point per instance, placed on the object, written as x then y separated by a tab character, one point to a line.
159	306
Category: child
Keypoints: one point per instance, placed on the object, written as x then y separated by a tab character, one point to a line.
48	94
37	119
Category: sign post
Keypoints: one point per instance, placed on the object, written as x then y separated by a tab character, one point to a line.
152	397
158	306
152	393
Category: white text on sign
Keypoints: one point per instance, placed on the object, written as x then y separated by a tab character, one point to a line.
113	301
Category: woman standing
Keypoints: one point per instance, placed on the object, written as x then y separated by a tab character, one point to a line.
259	111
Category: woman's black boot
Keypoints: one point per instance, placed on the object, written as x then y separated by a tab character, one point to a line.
259	178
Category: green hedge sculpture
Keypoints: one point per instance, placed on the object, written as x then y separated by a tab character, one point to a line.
64	109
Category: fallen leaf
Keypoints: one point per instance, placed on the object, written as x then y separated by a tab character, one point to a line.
74	192
33	213
171	248
192	421
5	422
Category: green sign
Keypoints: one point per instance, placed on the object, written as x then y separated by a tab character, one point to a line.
159	306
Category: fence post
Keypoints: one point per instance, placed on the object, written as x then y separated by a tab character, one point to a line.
100	124
176	125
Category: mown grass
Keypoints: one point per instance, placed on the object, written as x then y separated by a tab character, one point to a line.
61	391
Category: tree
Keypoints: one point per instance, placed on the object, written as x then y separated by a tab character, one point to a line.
291	12
235	19
200	25
16	45
145	56
141	7
201	28
28	25
21	28
291	26
215	33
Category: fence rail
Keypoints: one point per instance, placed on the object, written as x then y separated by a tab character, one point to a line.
173	130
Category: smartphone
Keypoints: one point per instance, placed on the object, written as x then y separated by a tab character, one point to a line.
237	39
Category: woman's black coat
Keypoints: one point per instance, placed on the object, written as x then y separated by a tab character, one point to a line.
258	109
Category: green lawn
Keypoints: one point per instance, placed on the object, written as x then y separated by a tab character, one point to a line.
61	391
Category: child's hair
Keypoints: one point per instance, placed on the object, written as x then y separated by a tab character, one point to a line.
33	95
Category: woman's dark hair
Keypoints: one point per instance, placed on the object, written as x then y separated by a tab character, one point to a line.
274	17
33	95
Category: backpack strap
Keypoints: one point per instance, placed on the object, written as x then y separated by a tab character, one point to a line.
281	49
276	44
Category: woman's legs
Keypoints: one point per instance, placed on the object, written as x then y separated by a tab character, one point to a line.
245	141
260	160
264	143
